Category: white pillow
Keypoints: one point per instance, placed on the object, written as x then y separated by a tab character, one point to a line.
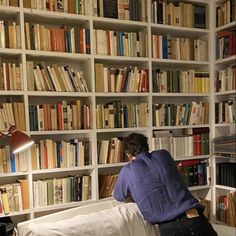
122	220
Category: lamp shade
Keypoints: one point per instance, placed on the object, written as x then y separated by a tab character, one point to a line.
19	140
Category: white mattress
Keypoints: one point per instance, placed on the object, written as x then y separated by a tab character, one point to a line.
122	220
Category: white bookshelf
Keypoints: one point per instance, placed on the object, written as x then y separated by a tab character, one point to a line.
220	129
87	61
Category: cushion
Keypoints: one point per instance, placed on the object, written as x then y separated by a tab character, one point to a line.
122	220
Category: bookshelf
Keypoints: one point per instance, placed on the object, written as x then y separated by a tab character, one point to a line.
116	58
224	122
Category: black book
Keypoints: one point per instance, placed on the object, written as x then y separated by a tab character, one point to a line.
110	8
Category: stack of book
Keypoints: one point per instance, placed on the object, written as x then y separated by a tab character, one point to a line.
225	145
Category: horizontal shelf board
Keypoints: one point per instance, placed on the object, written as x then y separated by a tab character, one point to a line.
179	127
46	16
106	199
12	93
224	124
225	187
199	1
231	157
15	213
171	62
58	94
5	11
111	23
56	170
177	30
191	157
180	94
60	132
115	130
227	26
192	188
119	59
63	206
125	94
13	174
45	55
230	92
10	52
111	165
228	60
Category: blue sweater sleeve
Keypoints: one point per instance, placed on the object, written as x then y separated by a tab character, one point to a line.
121	189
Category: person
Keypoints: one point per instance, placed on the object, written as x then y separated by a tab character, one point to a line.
152	180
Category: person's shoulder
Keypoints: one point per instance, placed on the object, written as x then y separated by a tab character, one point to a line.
161	152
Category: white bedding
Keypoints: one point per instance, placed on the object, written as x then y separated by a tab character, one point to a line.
122	220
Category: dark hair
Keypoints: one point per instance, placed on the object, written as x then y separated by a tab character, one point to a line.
135	144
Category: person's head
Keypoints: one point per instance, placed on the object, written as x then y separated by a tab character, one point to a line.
135	144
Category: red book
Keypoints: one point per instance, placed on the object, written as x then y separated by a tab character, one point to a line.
53	39
59	116
108	42
189	163
45	116
81	41
45	155
62	40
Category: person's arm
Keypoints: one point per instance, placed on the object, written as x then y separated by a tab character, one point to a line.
121	189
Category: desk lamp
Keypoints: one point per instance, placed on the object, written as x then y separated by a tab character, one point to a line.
19	139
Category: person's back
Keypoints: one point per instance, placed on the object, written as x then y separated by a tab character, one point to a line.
152	180
158	186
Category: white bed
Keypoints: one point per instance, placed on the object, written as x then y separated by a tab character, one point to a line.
109	218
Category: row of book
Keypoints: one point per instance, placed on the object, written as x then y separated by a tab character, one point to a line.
170	47
127	79
10	75
42	77
12	3
225	112
194	172
48	154
12	113
14	197
117	43
65	6
225	145
59	39
9	32
110	151
182	146
226	205
225	12
119	9
10	163
106	184
61	190
179	13
60	116
118	115
225	79
225	44
173	81
226	174
195	113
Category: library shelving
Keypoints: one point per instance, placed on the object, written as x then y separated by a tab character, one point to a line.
88	75
224	87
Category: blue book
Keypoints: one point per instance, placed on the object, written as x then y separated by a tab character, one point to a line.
87	41
164	47
68	41
12	159
121	46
